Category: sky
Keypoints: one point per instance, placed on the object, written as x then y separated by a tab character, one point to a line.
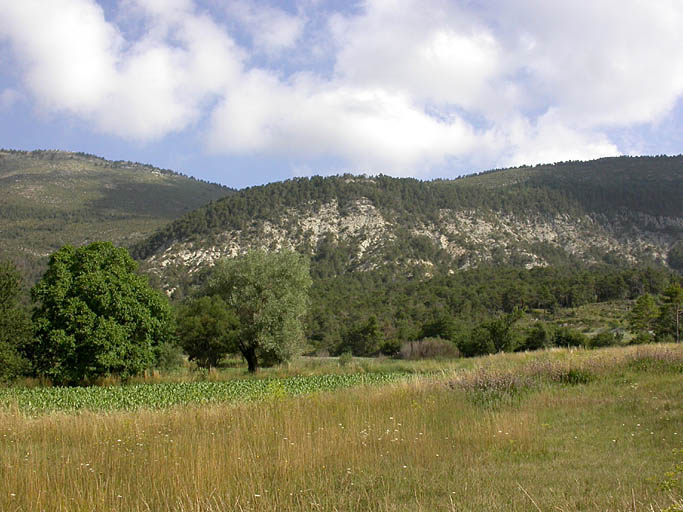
248	92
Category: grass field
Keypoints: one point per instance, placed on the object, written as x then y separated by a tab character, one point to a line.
555	430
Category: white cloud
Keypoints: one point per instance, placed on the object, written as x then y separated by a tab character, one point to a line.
76	61
433	54
67	51
271	29
607	63
308	118
549	139
413	85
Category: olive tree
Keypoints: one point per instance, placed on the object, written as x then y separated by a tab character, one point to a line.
268	292
96	316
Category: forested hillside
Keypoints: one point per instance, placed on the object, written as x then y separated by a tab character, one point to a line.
615	210
52	198
394	260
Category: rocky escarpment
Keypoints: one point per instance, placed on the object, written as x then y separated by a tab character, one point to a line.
461	238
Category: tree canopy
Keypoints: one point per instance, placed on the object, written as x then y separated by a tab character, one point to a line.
15	324
268	292
95	316
207	329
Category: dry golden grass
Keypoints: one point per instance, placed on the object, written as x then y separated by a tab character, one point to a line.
418	445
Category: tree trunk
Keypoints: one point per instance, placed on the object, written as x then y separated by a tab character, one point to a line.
252	362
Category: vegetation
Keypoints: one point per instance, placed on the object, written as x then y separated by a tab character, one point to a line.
268	294
560	430
478	309
15	324
529	419
675	257
671	311
95	316
207	329
52	198
41	400
606	186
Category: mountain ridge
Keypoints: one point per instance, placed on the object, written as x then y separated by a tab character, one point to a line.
49	198
624	209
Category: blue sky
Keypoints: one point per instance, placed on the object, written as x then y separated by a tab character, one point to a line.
247	92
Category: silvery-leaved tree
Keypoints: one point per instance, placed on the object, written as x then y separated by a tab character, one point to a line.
268	292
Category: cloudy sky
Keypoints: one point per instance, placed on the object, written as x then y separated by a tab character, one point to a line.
247	92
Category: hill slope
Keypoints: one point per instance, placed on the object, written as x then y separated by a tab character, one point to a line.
52	198
618	210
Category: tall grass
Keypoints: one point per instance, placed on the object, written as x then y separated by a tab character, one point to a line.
606	443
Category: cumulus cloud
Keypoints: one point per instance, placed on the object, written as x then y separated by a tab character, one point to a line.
413	84
308	118
271	29
75	61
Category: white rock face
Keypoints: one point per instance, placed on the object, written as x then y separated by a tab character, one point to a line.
469	237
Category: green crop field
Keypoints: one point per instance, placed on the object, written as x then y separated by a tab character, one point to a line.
160	396
555	430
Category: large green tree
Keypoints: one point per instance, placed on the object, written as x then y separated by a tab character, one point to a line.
268	292
96	316
15	324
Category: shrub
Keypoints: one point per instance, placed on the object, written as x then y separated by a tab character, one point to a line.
565	337
477	343
15	325
537	338
206	330
429	348
345	358
603	339
390	347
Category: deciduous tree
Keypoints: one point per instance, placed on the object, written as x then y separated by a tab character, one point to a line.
15	324
207	329
268	292
96	316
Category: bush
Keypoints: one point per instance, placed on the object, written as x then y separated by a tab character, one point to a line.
565	337
603	339
390	348
364	339
206	330
537	338
15	325
169	357
429	348
642	338
477	343
345	358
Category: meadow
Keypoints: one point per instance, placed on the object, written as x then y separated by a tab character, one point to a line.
553	430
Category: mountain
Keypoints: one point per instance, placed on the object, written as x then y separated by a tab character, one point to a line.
392	259
52	198
625	210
